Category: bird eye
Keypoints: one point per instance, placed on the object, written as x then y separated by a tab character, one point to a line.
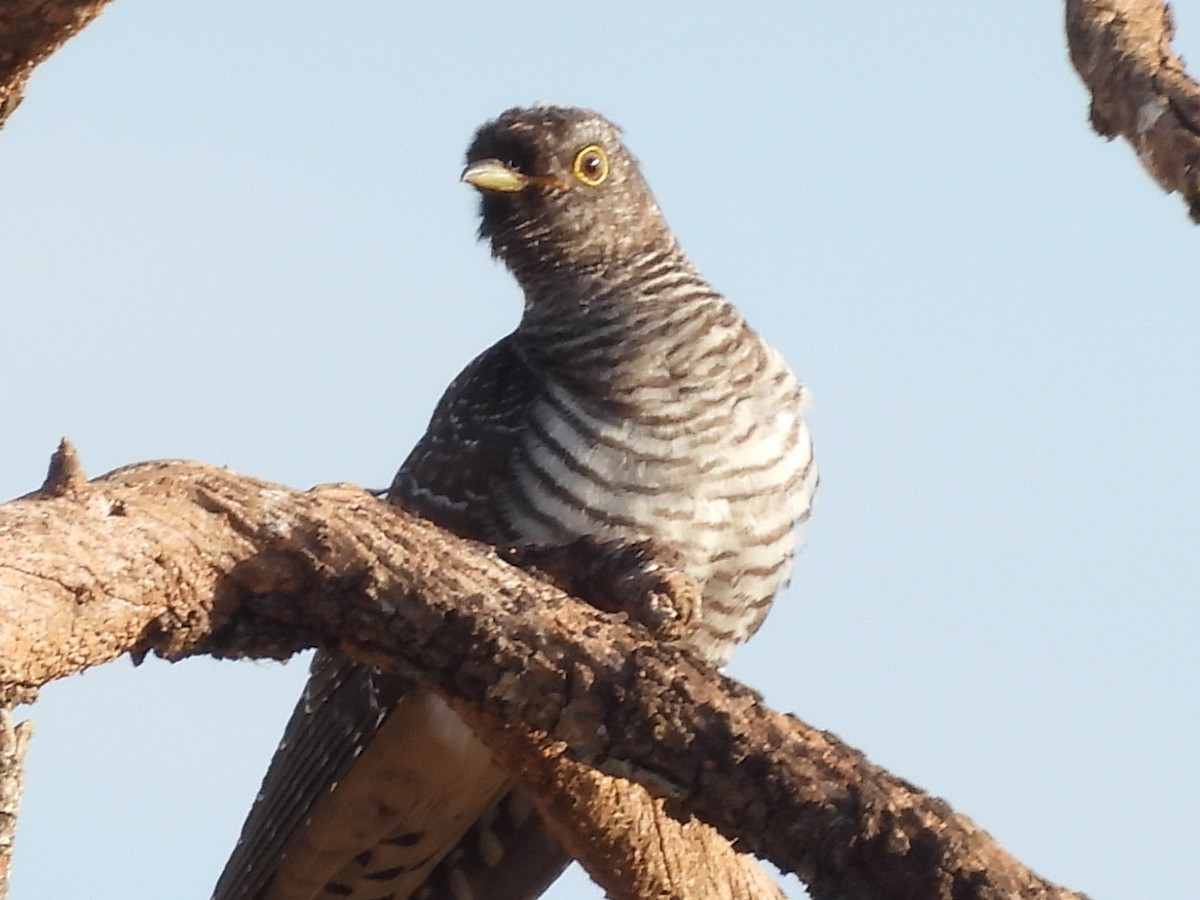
591	165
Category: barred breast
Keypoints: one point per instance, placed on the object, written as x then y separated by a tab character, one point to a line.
701	446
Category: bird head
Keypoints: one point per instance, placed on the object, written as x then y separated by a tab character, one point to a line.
559	192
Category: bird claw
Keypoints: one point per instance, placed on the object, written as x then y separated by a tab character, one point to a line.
639	580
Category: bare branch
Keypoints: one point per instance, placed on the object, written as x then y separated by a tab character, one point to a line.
30	30
14	739
180	558
616	826
1140	89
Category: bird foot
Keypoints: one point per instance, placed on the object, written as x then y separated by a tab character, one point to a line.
640	580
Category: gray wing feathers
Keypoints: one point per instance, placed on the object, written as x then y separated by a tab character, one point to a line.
324	827
507	855
342	706
455	474
454	477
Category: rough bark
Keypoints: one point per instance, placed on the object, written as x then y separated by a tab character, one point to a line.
1140	88
30	30
614	825
14	738
180	558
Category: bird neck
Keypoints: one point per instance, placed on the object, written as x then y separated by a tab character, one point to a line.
612	331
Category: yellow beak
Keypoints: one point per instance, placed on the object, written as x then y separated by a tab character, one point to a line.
493	175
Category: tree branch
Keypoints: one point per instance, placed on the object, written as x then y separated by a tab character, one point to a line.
1140	89
180	558
30	30
14	739
616	826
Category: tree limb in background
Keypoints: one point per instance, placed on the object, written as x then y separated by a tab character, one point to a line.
30	30
14	738
1140	89
180	558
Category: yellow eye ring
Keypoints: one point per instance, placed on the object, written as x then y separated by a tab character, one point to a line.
591	165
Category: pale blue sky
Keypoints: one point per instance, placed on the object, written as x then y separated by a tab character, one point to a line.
234	233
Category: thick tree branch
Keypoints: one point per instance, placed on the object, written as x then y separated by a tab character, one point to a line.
614	825
180	558
30	30
1140	89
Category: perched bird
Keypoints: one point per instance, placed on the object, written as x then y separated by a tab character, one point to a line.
632	401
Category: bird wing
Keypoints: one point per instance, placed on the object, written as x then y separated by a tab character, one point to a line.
375	779
455	474
340	710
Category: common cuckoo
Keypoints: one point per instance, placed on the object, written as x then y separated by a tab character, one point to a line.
632	401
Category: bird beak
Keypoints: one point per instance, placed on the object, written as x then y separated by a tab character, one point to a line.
493	175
